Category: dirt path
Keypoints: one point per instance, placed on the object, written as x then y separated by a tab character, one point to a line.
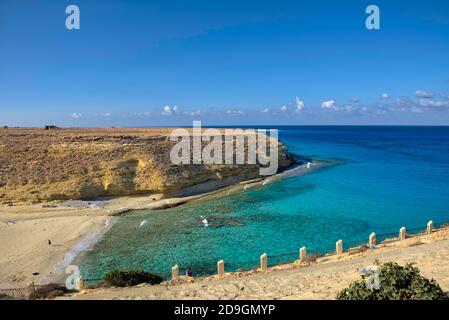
321	280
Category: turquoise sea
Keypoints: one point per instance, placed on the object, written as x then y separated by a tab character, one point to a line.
383	178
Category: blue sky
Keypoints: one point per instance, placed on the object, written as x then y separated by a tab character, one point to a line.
144	63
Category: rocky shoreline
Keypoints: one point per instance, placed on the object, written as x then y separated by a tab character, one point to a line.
55	165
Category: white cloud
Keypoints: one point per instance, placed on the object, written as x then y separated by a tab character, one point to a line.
416	110
283	108
423	94
431	103
170	111
107	114
234	112
330	104
405	104
76	115
385	96
402	102
265	110
194	113
167	111
299	104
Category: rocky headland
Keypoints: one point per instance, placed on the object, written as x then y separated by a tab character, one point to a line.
38	165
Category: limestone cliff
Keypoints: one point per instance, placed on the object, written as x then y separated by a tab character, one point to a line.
38	165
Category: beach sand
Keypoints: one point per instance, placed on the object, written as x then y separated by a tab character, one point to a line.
26	229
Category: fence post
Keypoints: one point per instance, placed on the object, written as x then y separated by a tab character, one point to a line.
264	261
402	233
175	272
372	239
302	254
220	267
339	247
429	227
30	289
80	283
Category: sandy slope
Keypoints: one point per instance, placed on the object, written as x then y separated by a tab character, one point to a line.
25	231
321	280
25	248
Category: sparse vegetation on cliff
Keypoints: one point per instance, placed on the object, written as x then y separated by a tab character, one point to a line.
396	282
43	165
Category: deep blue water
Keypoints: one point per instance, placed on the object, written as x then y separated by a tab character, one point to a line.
386	178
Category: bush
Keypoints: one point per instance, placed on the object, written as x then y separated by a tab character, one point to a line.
395	283
49	291
130	278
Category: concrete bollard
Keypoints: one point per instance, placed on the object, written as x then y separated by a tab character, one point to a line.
339	247
372	239
264	261
30	289
430	227
80	283
402	233
175	272
302	254
220	267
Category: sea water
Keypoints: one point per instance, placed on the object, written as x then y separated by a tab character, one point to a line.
382	178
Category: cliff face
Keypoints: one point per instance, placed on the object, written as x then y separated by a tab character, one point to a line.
38	165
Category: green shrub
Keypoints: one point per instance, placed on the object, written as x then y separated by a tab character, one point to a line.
118	278
49	291
395	283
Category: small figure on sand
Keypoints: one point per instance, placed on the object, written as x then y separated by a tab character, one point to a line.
49	242
189	272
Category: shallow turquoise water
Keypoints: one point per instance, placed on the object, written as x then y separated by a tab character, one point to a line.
387	177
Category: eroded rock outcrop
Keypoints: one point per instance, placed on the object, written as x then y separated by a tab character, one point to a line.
38	165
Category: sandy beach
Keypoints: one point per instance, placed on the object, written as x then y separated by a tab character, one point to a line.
25	231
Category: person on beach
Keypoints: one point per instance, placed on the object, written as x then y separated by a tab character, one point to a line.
49	242
189	272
